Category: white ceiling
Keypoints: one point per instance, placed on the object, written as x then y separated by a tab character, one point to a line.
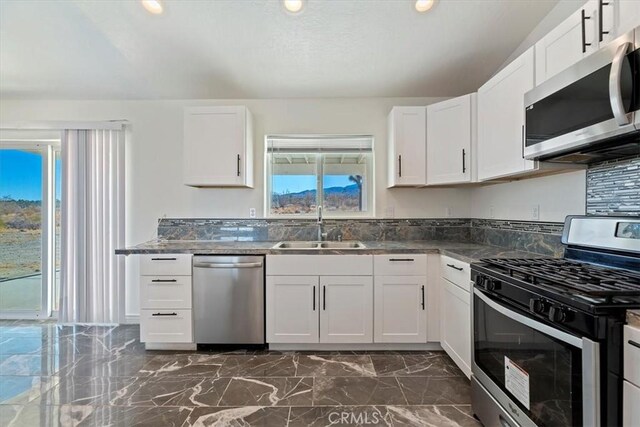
78	49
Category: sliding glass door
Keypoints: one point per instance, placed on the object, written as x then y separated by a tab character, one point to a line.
29	228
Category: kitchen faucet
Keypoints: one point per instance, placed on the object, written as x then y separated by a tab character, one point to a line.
321	234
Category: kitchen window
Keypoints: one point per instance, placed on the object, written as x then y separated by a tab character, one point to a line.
305	172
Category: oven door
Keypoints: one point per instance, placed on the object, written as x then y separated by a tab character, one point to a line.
591	103
541	376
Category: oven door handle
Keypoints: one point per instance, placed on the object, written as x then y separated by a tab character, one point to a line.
540	327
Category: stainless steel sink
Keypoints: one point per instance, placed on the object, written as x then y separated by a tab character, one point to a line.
296	245
342	245
318	245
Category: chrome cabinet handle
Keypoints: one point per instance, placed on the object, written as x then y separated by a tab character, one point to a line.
454	267
584	35
615	85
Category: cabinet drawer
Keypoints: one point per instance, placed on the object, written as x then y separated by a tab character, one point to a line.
632	354
166	326
165	292
400	265
457	272
630	404
166	265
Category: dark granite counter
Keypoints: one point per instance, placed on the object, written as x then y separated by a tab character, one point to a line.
467	252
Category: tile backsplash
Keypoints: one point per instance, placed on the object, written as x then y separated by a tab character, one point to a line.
613	188
538	237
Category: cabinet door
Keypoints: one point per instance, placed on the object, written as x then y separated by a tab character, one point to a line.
627	15
563	46
501	120
214	147
407	146
346	311
292	309
400	309
449	141
630	404
455	324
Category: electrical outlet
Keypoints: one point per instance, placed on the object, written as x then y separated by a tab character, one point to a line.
252	212
535	212
492	212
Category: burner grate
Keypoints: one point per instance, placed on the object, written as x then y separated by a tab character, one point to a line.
585	279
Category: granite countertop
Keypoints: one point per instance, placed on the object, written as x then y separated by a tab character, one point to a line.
466	252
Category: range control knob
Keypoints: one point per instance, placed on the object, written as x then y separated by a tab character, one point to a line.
558	314
538	305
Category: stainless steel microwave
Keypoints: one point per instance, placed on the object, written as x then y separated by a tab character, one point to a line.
590	111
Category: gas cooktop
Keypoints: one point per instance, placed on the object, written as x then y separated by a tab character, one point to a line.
581	278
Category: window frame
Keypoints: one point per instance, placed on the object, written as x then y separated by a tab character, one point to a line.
319	172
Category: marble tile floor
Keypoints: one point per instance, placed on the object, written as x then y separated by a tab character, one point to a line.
52	375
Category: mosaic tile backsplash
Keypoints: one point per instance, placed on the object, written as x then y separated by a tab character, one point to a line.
613	188
538	237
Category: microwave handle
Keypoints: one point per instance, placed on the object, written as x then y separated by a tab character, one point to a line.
615	86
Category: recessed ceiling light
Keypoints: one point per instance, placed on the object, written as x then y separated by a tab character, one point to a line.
293	6
424	5
152	6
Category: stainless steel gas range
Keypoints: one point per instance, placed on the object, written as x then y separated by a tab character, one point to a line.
547	333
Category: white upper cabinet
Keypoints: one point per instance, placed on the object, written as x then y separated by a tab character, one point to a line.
588	29
501	120
218	147
450	132
572	40
626	15
407	129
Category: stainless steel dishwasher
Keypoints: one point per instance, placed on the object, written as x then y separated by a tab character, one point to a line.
228	299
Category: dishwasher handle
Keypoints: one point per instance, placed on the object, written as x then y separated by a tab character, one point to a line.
227	265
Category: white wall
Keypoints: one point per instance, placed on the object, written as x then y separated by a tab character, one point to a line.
556	196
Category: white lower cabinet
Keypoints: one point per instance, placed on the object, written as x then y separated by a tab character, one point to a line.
292	309
346	315
166	326
166	315
400	309
455	324
630	405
